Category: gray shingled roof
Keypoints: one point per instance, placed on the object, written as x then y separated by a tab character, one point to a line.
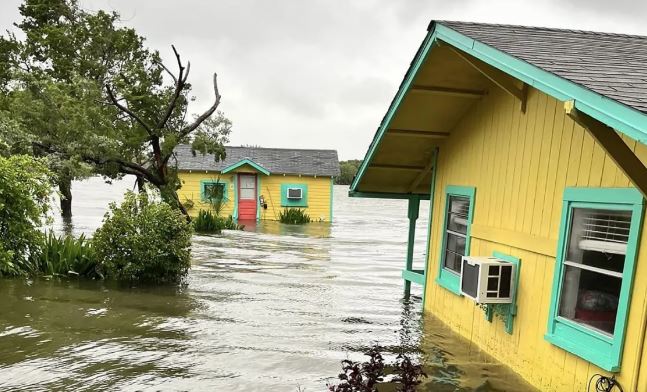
276	160
613	65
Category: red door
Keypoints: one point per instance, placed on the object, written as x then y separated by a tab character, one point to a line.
246	197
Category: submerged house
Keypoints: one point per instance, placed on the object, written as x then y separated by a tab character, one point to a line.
258	183
530	144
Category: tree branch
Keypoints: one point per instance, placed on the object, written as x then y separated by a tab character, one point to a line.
130	113
180	82
190	128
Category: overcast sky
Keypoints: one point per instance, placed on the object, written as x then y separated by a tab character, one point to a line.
321	73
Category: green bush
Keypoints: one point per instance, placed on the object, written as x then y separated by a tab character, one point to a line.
207	222
25	187
142	240
294	216
66	255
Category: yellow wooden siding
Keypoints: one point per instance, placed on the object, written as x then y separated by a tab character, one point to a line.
520	165
270	188
318	196
191	191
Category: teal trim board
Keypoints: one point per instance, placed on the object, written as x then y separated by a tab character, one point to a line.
244	162
204	183
386	195
259	207
603	350
235	213
509	311
432	192
415	276
395	104
446	278
302	202
624	119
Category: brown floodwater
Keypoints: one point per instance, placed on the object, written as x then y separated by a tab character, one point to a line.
272	308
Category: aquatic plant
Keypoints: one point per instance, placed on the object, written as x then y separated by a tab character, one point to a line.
68	256
294	216
207	222
144	240
367	376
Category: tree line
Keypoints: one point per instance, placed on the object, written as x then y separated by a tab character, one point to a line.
347	169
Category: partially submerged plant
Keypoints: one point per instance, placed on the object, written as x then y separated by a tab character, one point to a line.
294	216
207	222
367	376
68	256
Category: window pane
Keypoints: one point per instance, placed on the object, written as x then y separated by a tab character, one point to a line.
590	298
214	191
458	213
598	242
452	261
247	193
456	243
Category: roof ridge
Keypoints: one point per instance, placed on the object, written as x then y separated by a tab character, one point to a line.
542	28
270	148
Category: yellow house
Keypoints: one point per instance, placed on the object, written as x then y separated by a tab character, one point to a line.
530	144
258	183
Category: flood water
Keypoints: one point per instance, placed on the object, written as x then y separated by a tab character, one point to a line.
272	308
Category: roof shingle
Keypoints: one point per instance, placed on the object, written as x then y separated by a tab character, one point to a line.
613	65
276	160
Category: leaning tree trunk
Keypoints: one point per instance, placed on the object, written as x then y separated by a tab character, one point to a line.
65	187
141	184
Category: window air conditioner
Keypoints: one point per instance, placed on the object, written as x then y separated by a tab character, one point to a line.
487	280
295	193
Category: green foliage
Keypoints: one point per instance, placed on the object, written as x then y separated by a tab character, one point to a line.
348	169
24	192
207	222
143	240
215	195
294	216
68	256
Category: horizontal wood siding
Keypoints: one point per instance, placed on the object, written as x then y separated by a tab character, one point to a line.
318	196
520	164
191	191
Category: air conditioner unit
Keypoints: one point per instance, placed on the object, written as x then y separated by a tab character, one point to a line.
295	193
487	280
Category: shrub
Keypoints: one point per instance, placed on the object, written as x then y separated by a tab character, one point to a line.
66	255
207	222
142	240
25	187
294	216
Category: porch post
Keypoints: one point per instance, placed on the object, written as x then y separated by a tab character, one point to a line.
414	207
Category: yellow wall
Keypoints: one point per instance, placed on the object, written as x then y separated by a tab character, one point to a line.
318	196
520	165
270	188
191	191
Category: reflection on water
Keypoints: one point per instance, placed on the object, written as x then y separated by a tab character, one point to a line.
271	308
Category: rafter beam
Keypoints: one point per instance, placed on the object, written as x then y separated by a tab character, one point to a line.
417	133
425	171
396	167
613	144
498	77
448	91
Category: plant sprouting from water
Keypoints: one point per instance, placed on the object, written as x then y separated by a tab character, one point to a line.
367	376
294	216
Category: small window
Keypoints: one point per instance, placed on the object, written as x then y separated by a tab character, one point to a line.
213	191
593	274
456	235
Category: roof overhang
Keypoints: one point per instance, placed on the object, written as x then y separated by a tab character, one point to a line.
245	162
448	74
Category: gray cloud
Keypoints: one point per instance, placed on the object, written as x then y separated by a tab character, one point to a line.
320	74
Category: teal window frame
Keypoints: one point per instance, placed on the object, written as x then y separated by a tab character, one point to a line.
302	202
204	183
446	278
596	347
